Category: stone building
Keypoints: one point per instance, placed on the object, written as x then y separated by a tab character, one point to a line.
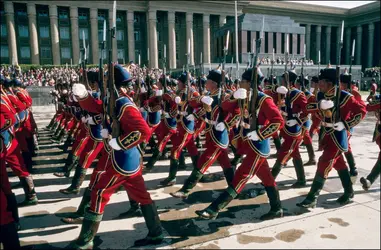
50	32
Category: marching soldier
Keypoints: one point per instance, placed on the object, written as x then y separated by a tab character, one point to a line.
123	167
294	111
217	135
334	137
256	147
374	106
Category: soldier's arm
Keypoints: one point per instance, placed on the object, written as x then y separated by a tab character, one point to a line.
7	118
23	99
373	106
231	111
19	106
91	104
356	112
300	106
137	130
275	118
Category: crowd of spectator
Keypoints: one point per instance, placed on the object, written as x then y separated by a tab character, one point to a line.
282	60
373	72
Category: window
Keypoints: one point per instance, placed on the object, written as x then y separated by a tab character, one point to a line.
84	31
100	35
177	55
158	20
45	52
176	20
63	14
42	13
3	29
21	12
23	31
120	35
119	18
120	53
4	51
177	37
137	35
136	18
158	36
101	16
44	31
64	33
65	53
160	54
82	16
25	52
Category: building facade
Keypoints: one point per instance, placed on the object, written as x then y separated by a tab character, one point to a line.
50	32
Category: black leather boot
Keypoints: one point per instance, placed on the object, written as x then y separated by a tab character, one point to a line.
182	164
276	210
9	236
229	175
373	175
171	179
211	212
347	185
276	169
71	162
301	177
352	166
78	178
27	156
311	199
90	226
311	156
277	143
12	207
154	158
189	184
30	194
77	217
195	160
155	232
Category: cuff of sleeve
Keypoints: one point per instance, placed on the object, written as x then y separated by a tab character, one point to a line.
261	137
300	122
346	125
126	142
227	125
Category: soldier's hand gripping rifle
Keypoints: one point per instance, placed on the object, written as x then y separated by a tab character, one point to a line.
111	86
337	87
254	87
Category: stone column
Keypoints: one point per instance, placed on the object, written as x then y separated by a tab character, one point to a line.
171	40
270	43
278	43
206	43
222	20
262	50
189	19
9	15
94	35
318	39
114	40
153	40
347	45
244	48
308	41
328	44
130	34
294	40
285	43
370	44
302	42
33	37
74	34
358	45
54	33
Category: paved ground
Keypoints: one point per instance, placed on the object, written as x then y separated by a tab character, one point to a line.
356	225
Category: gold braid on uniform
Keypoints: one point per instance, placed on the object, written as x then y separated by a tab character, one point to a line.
312	106
268	131
353	122
128	140
233	121
97	119
7	125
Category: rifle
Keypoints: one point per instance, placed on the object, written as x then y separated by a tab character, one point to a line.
254	87
350	66
302	76
111	85
337	87
221	116
287	80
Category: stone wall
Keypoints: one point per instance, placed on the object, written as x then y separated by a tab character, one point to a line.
41	95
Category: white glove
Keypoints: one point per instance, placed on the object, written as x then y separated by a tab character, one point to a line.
291	123
339	126
207	100
220	126
177	99
324	104
90	120
282	90
159	92
253	135
64	91
167	115
241	93
75	99
312	90
143	90
191	117
142	109
83	119
104	133
114	144
79	90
